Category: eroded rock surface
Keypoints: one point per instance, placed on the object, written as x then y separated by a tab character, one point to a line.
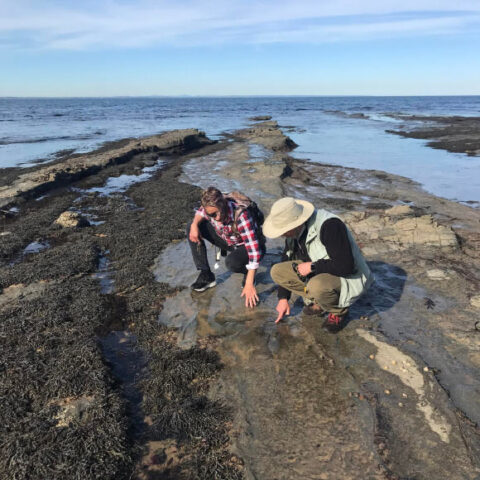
267	134
385	232
455	134
75	168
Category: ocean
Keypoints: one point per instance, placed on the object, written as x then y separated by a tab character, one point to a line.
35	129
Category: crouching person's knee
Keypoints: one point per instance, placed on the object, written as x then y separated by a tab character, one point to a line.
233	265
229	263
276	273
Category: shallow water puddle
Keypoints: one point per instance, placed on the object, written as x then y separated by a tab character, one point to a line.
92	218
116	186
233	168
104	274
258	153
219	311
175	265
36	247
41	197
120	350
128	365
119	184
207	170
30	249
124	182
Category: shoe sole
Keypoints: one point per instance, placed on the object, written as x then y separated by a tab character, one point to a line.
210	285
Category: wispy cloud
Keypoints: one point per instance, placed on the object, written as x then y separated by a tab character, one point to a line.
143	23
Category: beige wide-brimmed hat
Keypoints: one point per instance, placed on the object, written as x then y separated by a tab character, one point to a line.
286	214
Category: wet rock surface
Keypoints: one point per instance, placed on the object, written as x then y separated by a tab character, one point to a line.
267	134
114	369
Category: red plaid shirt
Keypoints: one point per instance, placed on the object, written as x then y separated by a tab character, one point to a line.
247	234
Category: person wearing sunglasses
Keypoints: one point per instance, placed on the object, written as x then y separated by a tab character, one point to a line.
224	224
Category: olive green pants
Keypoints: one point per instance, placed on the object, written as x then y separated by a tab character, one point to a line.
323	289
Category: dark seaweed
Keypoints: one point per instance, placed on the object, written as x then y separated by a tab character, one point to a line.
51	354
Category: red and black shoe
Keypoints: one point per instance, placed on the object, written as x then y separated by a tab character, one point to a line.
334	323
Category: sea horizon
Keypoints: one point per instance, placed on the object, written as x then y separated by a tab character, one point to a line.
239	96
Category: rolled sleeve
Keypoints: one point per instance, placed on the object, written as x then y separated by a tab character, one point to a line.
201	211
247	231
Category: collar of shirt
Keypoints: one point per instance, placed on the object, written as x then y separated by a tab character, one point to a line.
302	231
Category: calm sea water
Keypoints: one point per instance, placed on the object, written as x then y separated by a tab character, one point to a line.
35	129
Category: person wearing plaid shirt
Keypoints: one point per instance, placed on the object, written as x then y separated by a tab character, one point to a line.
215	221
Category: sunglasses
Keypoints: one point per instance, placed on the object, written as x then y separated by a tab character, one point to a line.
212	215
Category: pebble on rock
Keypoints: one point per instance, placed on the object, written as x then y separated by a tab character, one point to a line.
475	301
71	219
437	274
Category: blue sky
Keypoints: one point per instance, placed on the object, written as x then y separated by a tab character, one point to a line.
218	47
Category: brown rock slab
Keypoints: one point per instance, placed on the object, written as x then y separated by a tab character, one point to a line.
399	210
400	234
78	167
269	135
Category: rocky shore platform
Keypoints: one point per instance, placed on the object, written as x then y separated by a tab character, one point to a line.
456	134
113	368
452	133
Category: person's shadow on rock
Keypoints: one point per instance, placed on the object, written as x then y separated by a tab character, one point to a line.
383	294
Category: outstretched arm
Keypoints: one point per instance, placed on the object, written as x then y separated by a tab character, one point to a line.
248	233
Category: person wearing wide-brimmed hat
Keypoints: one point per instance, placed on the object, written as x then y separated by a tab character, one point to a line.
321	261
